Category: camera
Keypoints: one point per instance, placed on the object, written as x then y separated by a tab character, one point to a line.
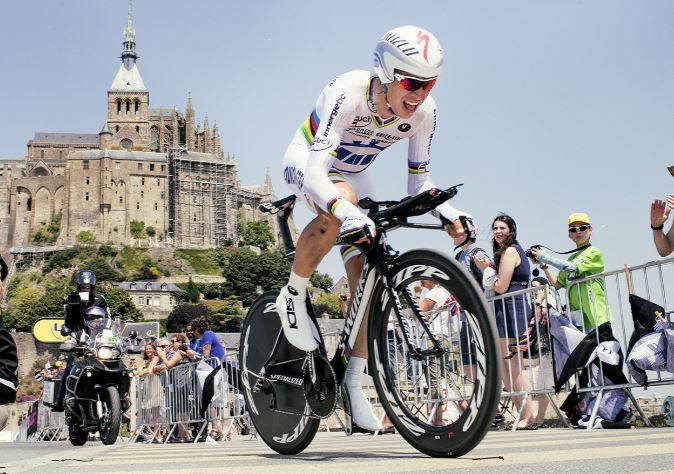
528	251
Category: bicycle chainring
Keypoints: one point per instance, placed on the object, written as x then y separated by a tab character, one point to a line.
320	385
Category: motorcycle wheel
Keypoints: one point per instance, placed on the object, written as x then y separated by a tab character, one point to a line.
112	417
76	436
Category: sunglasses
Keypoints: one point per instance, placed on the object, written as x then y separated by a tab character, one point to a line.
175	340
580	228
412	84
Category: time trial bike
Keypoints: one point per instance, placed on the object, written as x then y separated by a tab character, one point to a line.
436	373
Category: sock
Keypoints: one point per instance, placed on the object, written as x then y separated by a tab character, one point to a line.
361	409
298	282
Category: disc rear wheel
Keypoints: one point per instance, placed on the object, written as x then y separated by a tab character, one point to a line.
277	408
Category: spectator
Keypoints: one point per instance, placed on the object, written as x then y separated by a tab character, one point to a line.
511	273
210	345
664	243
153	396
9	381
195	342
465	257
587	300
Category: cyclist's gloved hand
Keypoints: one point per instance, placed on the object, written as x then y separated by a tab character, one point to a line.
353	228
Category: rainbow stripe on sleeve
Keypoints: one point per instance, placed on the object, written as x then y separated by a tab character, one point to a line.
417	168
332	205
309	127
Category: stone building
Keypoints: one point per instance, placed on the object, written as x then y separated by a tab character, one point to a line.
154	165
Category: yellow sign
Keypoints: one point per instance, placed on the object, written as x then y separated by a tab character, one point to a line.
48	330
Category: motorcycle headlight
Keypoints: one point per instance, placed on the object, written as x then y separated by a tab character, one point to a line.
108	353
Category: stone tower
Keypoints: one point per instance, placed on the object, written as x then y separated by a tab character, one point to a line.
128	99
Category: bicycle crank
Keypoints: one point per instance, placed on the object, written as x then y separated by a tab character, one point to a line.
320	385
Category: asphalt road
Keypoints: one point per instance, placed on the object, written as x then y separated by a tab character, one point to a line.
552	450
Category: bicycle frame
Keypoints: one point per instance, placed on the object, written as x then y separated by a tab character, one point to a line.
378	261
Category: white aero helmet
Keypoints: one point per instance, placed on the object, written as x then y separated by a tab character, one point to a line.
410	49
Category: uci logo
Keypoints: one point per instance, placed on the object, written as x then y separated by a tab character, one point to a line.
404	127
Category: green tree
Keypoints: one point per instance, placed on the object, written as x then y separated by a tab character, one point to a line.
184	314
147	270
228	317
322	281
137	229
190	293
256	233
246	270
150	231
86	237
31	304
100	266
327	303
120	303
107	251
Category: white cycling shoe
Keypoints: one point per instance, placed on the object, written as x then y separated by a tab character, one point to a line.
361	409
299	329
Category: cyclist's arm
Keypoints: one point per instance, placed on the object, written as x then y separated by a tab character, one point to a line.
335	108
419	161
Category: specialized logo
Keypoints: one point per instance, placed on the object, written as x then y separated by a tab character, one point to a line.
287	379
404	127
422	38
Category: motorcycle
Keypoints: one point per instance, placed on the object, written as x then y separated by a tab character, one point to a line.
97	387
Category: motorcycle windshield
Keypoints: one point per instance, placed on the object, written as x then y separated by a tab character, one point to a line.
103	331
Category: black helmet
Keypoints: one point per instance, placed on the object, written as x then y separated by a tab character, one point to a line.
85	277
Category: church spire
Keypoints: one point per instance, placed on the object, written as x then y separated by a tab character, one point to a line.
129	55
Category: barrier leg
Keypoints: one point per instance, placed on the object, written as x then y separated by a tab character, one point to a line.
647	422
559	413
595	409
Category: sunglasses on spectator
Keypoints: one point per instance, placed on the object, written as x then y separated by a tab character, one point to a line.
580	228
163	345
175	340
412	84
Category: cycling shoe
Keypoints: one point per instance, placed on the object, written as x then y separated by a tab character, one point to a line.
299	329
361	409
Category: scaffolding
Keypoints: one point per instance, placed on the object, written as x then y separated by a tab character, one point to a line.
198	204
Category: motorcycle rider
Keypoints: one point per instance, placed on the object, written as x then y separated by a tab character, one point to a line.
76	319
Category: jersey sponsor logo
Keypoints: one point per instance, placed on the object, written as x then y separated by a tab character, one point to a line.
333	114
361	132
361	121
387	137
292	175
405	47
321	144
404	127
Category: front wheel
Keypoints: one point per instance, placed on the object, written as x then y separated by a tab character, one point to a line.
278	410
443	402
112	416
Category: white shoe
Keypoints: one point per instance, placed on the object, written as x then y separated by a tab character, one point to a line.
298	327
361	409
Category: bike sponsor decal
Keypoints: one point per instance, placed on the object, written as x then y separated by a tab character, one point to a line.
269	308
333	114
287	379
357	309
297	431
420	271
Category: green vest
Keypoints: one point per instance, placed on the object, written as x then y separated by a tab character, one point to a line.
589	296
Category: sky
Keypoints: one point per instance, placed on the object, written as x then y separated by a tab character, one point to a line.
546	107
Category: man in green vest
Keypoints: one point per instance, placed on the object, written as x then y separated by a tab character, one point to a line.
587	299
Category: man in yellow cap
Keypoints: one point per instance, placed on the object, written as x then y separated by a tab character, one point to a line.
587	300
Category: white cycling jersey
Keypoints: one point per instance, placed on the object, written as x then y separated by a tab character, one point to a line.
343	136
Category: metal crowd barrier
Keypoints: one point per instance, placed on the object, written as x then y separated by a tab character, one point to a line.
169	405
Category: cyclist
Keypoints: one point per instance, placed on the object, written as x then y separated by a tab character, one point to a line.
327	164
